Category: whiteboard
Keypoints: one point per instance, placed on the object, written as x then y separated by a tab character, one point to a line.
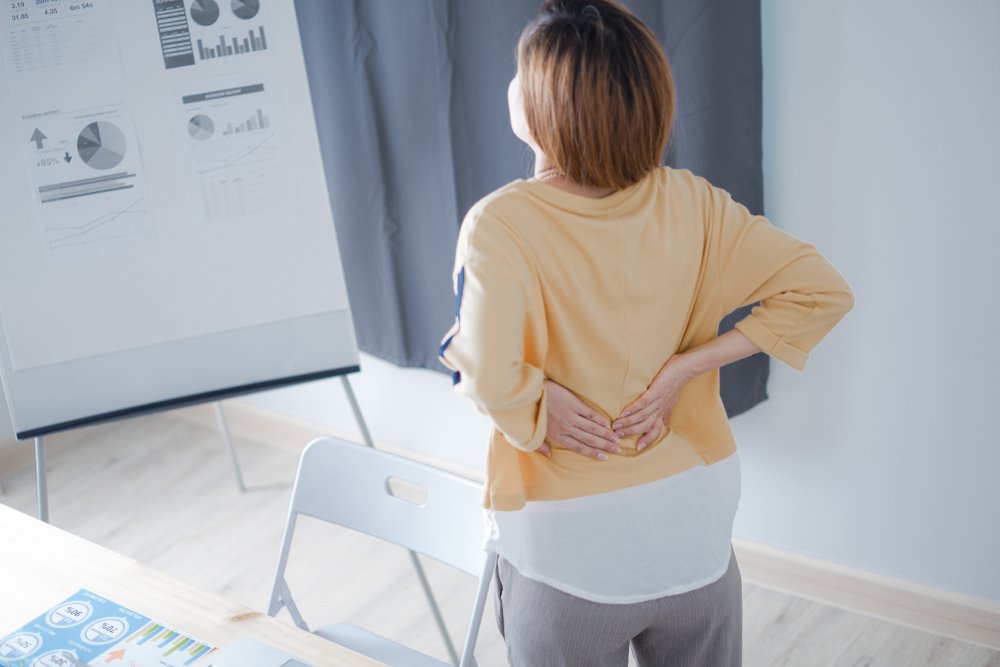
166	231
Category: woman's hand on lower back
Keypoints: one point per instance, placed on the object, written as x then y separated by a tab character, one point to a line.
644	416
575	425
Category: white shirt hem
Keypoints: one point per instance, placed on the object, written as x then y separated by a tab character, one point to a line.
619	599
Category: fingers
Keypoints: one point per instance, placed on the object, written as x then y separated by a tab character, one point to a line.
638	405
594	425
647	430
586	434
595	442
636	424
545	450
570	442
656	425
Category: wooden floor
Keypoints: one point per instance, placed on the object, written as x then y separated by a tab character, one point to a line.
162	490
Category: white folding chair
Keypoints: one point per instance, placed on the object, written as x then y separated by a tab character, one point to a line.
348	485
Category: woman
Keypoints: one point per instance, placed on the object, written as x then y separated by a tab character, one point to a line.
589	301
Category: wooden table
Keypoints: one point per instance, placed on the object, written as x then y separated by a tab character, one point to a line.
40	566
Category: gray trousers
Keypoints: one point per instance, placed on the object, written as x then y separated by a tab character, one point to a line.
545	627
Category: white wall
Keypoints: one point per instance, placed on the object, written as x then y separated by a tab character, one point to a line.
880	145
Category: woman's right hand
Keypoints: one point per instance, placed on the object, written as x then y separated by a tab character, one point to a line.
574	425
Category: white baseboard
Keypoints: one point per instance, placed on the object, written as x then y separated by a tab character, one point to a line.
896	600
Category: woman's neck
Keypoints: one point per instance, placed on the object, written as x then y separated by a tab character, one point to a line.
557	179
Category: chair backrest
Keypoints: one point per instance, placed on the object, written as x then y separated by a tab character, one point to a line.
348	484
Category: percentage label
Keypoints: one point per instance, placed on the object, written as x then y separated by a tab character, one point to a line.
69	614
104	630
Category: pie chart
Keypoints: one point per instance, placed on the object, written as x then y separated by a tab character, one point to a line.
201	127
204	12
246	9
101	145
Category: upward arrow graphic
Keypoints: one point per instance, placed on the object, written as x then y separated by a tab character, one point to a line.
37	137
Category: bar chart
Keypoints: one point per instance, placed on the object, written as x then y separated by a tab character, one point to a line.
232	46
258	121
159	641
85	186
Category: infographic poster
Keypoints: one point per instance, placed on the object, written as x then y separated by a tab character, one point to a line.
234	151
87	179
86	629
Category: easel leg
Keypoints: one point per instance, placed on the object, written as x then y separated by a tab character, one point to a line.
421	575
356	409
224	427
43	483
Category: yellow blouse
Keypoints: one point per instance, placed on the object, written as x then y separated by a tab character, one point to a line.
597	294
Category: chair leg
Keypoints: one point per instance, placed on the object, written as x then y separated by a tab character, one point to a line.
449	645
472	634
286	598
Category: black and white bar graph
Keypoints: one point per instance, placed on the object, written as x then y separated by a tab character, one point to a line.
234	46
258	121
85	186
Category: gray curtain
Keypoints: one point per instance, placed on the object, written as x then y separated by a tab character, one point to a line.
411	107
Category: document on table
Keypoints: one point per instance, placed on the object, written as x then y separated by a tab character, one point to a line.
86	629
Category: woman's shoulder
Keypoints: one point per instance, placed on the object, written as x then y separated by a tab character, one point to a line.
683	179
493	207
499	201
487	227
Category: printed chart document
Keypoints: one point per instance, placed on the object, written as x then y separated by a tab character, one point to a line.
86	629
86	175
49	44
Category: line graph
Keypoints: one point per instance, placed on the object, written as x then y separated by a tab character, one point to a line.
240	182
231	160
115	223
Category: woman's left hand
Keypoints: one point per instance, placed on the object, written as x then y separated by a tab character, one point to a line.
644	415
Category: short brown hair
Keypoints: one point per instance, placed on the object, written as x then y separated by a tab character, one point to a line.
597	89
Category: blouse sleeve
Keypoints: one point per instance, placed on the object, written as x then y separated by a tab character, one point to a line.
486	347
802	296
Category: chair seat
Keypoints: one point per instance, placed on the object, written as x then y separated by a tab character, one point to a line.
376	646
